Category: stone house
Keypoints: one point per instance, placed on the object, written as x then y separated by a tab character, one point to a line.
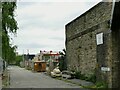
93	45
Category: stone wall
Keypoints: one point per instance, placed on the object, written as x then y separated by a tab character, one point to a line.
104	55
83	54
116	58
99	13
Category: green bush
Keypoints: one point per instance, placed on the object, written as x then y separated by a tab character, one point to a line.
101	85
91	78
78	75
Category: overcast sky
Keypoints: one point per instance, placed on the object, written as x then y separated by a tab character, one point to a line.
42	24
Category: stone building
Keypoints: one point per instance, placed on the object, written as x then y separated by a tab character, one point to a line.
93	44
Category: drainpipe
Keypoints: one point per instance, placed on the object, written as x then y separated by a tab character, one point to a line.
111	21
113	6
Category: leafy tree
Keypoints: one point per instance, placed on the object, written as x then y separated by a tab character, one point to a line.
62	60
9	25
0	30
19	58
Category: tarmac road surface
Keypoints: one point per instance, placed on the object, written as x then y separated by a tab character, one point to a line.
22	78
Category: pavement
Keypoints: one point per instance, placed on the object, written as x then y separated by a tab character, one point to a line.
0	82
81	82
22	78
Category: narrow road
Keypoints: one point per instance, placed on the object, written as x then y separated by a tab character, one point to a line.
22	78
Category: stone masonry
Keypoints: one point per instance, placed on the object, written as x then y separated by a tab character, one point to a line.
83	53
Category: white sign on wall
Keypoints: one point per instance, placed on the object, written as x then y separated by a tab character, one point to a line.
99	38
105	69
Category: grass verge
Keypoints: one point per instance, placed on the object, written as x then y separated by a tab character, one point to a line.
5	79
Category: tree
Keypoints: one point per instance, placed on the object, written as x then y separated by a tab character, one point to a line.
62	60
9	25
19	58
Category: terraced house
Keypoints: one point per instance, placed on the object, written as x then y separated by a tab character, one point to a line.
93	43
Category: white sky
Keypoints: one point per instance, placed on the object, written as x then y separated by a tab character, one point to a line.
42	24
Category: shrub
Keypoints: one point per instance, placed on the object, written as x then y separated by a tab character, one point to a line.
78	75
101	85
91	78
